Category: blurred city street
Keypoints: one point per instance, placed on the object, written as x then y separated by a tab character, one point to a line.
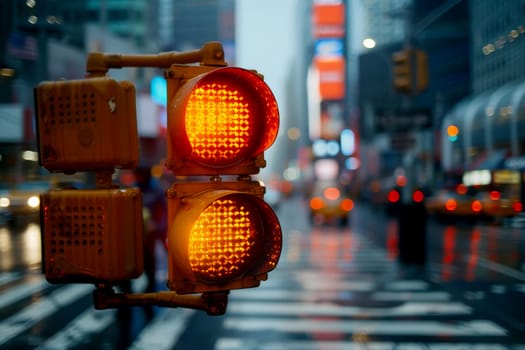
262	175
335	288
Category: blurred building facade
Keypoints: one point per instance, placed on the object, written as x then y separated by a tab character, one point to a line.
49	40
477	83
441	29
491	121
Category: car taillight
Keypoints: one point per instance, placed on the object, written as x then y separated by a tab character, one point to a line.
476	206
316	203
517	207
461	189
418	196
331	193
451	204
347	204
494	195
393	196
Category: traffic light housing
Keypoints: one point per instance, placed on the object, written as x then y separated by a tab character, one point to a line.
410	71
94	234
452	132
221	235
86	125
91	235
402	71
220	120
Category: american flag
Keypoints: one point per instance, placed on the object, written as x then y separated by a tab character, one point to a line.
22	46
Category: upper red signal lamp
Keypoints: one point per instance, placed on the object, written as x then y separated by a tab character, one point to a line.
219	122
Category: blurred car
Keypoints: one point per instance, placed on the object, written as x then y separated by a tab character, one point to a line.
395	199
496	205
454	203
22	201
329	202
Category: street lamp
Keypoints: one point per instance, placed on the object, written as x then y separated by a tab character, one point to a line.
369	43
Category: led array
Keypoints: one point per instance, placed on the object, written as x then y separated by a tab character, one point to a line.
222	241
218	122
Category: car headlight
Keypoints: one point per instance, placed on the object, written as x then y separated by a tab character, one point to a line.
33	201
4	202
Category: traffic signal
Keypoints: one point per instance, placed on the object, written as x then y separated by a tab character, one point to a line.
452	132
86	125
221	235
89	235
402	71
410	71
220	120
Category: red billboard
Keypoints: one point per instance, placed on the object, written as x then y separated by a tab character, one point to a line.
328	20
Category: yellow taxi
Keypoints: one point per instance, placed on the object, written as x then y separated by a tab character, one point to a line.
329	202
456	202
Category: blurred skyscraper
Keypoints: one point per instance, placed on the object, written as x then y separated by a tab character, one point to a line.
384	20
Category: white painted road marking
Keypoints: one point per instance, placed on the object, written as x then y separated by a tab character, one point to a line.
29	316
395	327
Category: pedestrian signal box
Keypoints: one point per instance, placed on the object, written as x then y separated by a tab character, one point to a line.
86	125
222	235
92	235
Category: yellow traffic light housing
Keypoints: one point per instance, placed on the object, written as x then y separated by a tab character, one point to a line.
402	71
85	125
219	121
223	236
410	71
91	236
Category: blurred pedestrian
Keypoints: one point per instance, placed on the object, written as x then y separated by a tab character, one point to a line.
155	220
154	214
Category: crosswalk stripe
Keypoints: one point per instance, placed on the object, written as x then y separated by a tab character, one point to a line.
29	316
164	331
242	344
22	291
380	327
85	325
8	277
339	285
270	294
414	296
332	309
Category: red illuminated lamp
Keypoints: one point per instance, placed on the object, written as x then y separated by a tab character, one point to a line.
394	196
316	203
461	189
418	196
401	180
476	206
494	195
347	204
221	122
451	204
222	240
332	193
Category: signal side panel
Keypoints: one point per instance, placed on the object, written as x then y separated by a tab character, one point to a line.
86	125
91	235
